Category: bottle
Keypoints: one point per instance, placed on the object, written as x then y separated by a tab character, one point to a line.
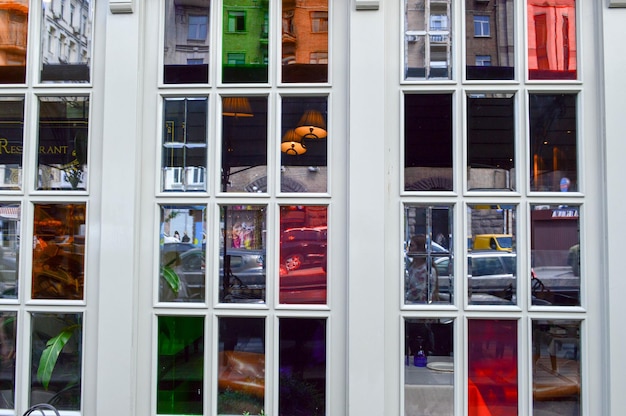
420	358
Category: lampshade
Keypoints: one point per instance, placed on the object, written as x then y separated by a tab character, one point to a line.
312	125
236	107
292	144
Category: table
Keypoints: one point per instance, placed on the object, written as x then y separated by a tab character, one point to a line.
428	392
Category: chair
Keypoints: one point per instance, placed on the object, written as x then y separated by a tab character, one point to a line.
41	407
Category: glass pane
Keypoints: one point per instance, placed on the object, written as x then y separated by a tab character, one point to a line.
489	39
304	144
428	261
63	139
490	142
427	40
10	217
242	273
56	379
303	250
305	41
302	367
553	147
244	144
492	367
245	41
492	261
555	255
59	251
428	142
66	39
552	39
184	158
187	42
241	361
11	140
8	333
180	376
428	367
182	248
13	35
556	367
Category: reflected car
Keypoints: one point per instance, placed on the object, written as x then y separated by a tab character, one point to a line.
303	247
500	242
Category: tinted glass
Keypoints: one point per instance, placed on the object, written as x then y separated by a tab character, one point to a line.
303	254
14	35
66	40
428	142
305	41
11	141
304	146
552	46
8	334
490	142
186	42
553	147
184	153
555	255
10	217
63	141
489	39
59	251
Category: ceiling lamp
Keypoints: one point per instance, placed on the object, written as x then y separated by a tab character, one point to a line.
292	144
236	107
312	125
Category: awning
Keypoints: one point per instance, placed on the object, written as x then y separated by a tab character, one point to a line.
10	212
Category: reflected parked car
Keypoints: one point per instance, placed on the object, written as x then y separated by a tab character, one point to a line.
303	247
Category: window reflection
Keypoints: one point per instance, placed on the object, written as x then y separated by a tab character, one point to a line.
66	39
182	249
489	39
304	144
428	142
305	41
556	376
492	386
491	141
242	254
428	262
555	254
492	261
59	251
10	217
552	39
8	333
63	140
241	361
428	367
553	146
180	375
245	41
427	40
11	141
303	254
14	35
187	42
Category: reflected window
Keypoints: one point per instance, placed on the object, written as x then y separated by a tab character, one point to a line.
186	42
555	255
242	253
428	256
244	144
10	218
236	21
482	26
241	362
70	61
180	375
553	147
427	142
304	144
428	367
63	141
305	42
14	35
483	60
491	142
8	336
182	252
552	50
11	142
184	151
59	251
303	254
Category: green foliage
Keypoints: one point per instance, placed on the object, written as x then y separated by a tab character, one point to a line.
50	354
171	277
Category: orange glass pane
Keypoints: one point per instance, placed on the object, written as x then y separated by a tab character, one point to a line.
59	251
13	41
